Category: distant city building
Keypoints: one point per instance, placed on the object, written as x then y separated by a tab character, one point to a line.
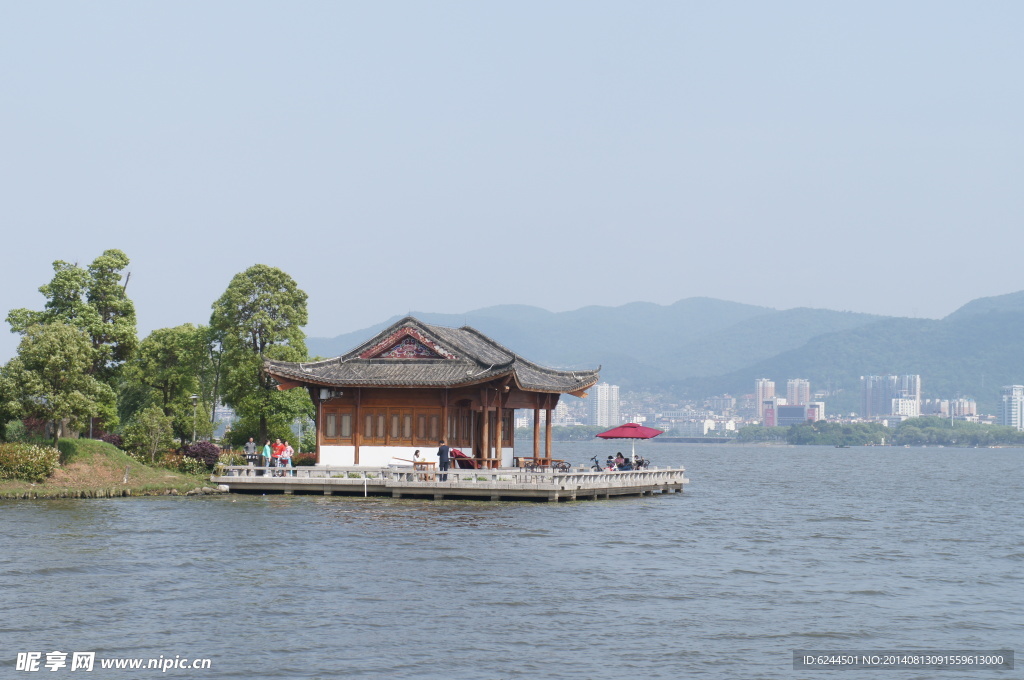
723	404
604	405
695	428
764	389
1011	411
798	391
223	417
791	414
961	408
816	411
561	415
909	408
935	407
746	406
881	394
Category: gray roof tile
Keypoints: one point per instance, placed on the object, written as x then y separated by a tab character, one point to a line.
477	359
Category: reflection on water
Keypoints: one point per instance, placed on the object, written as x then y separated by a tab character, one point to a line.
766	551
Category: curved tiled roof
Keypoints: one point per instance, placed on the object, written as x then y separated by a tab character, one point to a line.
452	357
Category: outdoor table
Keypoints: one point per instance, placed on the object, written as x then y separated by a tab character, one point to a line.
425	466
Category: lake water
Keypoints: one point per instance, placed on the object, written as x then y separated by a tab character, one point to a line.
767	550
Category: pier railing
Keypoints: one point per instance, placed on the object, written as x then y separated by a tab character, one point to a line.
577	477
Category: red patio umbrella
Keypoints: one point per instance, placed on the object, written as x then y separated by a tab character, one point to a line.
632	431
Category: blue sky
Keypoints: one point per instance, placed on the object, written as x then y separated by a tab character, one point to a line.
446	156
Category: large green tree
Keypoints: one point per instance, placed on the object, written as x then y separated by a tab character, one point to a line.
260	316
170	366
49	379
94	300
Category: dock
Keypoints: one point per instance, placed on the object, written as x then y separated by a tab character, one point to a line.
499	484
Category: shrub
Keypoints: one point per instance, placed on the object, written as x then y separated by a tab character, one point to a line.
28	461
185	464
228	458
304	459
115	439
207	452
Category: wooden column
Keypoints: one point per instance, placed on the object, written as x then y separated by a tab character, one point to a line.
498	427
485	434
444	417
547	431
315	393
357	433
536	430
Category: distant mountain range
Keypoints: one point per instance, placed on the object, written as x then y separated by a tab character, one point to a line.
701	346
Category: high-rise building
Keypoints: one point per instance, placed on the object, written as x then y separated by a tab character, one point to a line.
604	405
798	392
963	407
884	395
764	390
791	415
1011	411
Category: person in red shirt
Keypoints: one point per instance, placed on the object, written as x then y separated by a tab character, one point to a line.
276	450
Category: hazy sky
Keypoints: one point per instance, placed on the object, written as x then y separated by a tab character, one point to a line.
446	156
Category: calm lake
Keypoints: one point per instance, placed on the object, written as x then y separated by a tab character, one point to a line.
767	550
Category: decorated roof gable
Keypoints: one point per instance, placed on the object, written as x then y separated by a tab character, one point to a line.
406	343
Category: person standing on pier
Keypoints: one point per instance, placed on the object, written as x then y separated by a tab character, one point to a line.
266	456
442	460
250	452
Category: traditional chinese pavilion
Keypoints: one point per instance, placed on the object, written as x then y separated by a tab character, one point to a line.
413	384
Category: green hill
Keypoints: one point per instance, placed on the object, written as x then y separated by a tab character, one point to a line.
639	343
1011	302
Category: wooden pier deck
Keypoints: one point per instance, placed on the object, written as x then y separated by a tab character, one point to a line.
494	484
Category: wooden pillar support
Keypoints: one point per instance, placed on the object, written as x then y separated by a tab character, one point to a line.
357	431
445	434
537	430
547	435
485	436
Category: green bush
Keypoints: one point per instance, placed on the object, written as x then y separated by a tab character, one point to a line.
304	459
28	461
185	464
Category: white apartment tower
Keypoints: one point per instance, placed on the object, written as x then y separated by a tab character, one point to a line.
604	405
798	392
1011	411
764	390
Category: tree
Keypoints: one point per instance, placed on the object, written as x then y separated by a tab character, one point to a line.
49	379
260	316
170	366
94	301
150	432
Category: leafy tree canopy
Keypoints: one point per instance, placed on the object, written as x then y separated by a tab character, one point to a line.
93	300
150	433
170	366
260	316
49	379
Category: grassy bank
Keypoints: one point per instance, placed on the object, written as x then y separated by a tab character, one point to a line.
95	469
